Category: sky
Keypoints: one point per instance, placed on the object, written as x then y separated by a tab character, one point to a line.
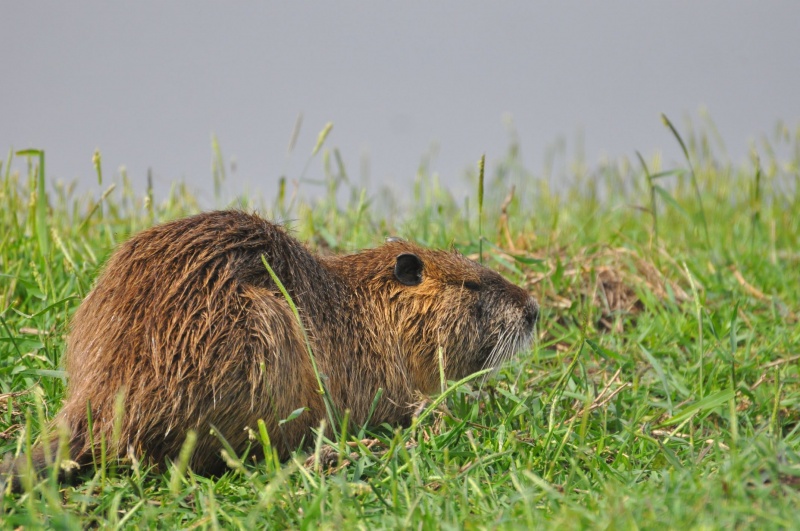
149	83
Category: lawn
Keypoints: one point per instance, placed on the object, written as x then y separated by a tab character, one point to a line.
663	390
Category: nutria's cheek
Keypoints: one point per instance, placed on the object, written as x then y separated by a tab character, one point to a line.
530	313
479	310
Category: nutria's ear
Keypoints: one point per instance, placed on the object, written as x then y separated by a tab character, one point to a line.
408	269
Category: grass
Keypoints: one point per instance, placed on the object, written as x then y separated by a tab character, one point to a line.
664	391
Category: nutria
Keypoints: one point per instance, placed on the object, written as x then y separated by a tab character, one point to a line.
186	322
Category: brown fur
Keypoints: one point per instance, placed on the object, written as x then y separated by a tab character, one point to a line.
187	323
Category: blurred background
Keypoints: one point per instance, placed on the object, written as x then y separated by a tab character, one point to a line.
150	84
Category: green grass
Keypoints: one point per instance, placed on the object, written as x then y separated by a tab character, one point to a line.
664	390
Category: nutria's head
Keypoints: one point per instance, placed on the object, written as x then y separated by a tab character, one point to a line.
438	299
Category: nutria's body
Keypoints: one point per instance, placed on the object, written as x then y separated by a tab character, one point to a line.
186	322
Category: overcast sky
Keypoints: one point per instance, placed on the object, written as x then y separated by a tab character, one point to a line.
149	82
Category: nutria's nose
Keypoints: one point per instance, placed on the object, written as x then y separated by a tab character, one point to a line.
531	312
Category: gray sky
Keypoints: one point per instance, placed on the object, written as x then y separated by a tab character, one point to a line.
149	82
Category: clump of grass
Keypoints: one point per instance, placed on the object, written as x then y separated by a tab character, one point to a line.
664	388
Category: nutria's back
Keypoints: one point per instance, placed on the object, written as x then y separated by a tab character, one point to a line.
187	323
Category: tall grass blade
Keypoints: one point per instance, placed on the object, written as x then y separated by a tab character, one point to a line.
42	231
481	165
97	163
321	137
693	176
321	389
298	125
653	206
217	167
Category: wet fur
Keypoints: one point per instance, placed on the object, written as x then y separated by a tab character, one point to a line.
186	322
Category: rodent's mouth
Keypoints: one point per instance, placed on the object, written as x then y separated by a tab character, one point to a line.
508	343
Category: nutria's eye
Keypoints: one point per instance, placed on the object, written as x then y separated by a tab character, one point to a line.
472	285
408	269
